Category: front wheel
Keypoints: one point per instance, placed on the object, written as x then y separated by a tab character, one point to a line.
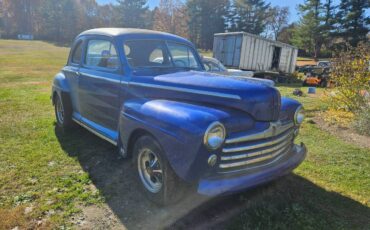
159	182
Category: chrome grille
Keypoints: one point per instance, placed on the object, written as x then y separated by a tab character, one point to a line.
249	151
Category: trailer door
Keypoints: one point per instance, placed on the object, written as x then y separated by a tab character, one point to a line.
276	58
230	47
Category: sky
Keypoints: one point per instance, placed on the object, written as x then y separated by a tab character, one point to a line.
292	4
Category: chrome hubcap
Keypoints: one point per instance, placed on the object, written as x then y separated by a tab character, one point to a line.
150	170
60	111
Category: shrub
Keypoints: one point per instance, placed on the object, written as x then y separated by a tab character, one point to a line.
362	121
350	72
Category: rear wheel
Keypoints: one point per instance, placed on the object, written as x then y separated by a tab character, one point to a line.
63	113
159	182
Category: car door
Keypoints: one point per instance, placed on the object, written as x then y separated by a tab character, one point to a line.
99	85
71	72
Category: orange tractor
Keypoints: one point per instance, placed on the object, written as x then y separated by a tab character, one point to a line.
318	76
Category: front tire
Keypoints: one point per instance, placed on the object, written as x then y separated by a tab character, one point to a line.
63	113
156	177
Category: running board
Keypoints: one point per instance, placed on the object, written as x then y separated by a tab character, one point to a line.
95	132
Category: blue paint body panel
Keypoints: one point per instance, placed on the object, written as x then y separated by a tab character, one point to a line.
175	107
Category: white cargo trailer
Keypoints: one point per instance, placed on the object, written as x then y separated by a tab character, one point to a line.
251	52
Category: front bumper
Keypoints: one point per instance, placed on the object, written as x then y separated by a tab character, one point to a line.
226	184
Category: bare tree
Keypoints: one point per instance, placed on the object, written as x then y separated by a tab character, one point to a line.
277	20
171	17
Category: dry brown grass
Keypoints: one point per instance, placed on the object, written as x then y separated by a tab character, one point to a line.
305	62
10	218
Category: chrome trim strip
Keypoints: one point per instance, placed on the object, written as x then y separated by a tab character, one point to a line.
265	144
256	160
275	128
95	132
255	166
195	91
101	78
258	153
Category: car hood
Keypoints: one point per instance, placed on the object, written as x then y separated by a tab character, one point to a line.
256	98
247	76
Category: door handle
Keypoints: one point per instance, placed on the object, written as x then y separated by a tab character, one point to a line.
77	73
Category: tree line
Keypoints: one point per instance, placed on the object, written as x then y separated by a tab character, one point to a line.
322	24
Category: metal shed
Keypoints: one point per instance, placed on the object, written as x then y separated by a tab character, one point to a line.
251	52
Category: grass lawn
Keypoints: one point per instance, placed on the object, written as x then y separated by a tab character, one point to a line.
43	182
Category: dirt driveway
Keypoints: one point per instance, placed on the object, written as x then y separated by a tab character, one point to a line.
125	207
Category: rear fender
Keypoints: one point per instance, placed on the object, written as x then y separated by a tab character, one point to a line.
60	87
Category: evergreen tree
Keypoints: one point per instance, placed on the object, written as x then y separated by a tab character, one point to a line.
353	23
328	22
309	33
205	19
250	15
132	13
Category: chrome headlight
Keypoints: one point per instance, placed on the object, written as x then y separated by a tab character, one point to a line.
299	115
214	136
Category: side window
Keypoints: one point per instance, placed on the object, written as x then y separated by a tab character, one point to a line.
182	56
101	53
156	56
77	53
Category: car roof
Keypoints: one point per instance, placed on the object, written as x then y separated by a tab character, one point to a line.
133	33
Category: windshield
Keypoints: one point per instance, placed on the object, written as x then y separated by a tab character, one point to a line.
160	54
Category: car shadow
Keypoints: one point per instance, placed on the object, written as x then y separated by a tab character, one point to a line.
115	178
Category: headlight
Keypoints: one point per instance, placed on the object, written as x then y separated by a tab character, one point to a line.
299	115
214	136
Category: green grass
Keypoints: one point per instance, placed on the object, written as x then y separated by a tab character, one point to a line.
329	190
34	169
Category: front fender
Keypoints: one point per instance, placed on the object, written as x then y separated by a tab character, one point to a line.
288	108
178	127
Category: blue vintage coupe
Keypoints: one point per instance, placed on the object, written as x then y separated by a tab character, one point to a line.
147	92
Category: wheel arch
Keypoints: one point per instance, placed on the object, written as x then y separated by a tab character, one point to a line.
134	136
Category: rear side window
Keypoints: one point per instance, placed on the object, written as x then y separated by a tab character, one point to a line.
77	53
101	53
